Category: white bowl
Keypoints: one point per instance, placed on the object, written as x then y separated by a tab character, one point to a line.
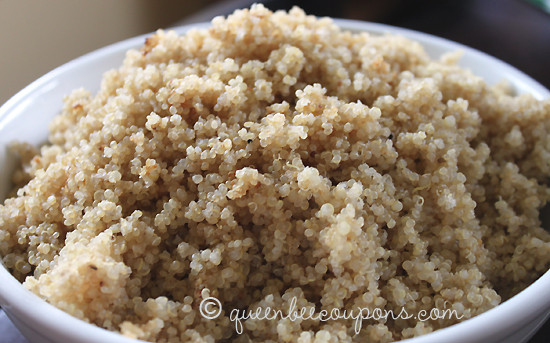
26	116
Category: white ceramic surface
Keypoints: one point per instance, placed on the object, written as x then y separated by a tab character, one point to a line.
26	117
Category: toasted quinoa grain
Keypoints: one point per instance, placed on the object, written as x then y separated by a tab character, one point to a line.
273	156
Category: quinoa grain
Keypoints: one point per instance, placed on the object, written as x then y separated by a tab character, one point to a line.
273	156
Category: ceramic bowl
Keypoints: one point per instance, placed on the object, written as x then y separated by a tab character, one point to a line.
26	116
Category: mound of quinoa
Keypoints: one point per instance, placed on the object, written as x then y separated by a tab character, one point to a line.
274	156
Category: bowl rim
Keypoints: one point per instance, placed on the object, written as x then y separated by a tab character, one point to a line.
513	313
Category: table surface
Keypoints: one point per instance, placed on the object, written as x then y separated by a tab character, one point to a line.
511	30
8	332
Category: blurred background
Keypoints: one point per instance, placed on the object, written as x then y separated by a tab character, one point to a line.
39	35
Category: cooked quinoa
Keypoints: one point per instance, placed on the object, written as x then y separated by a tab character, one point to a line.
274	156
